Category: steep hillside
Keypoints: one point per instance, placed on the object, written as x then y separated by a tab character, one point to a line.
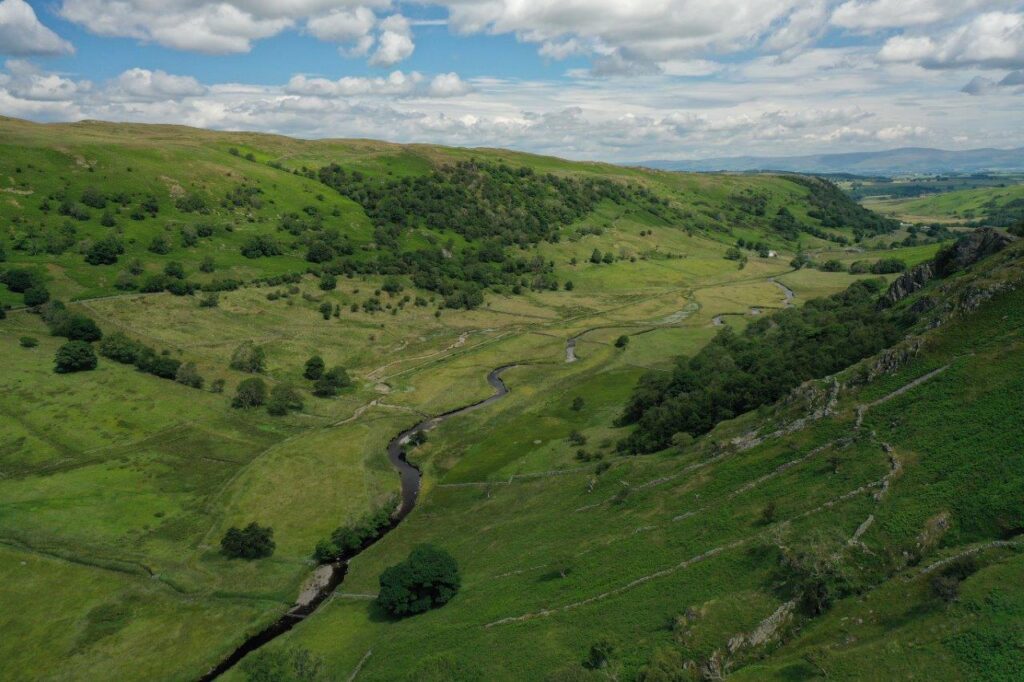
101	209
870	521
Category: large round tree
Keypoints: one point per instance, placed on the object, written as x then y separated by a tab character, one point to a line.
427	579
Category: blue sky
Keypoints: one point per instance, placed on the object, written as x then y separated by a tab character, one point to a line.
605	79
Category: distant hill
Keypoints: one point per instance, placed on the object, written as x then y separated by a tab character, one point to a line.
890	162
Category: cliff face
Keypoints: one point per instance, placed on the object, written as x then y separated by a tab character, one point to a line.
965	252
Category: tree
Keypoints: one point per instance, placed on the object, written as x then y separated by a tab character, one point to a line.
325	310
174	269
283	399
577	403
261	245
328	282
251	392
94	198
314	368
28	342
76	328
20	280
74	356
104	252
569	285
252	542
332	382
319	252
188	375
248	357
120	348
600	654
622	341
595	257
159	245
429	578
36	296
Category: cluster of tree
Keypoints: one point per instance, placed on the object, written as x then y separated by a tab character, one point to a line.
327	383
1007	214
494	206
738	372
885	266
346	540
128	351
427	579
759	247
29	283
252	542
834	208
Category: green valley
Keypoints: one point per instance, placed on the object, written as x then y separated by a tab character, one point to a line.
748	430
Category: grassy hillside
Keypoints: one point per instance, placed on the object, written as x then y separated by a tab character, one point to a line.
995	206
117	485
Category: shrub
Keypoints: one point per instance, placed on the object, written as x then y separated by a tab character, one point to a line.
20	280
28	342
94	198
147	360
74	356
174	269
188	375
104	252
207	265
248	357
283	399
622	341
76	328
210	299
314	368
36	296
831	266
160	245
217	386
577	404
260	245
429	578
888	266
332	382
252	392
120	348
328	282
252	542
325	310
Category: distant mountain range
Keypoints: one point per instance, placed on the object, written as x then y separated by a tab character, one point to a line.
890	162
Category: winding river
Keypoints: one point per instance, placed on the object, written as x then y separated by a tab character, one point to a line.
327	578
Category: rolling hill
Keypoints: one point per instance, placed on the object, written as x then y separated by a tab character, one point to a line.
903	161
514	308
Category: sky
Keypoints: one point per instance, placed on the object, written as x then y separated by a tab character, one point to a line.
615	80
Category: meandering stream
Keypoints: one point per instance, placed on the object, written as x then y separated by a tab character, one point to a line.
327	578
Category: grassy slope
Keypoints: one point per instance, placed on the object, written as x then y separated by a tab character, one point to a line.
640	563
957	207
115	476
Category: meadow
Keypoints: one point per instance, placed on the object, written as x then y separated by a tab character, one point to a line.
117	485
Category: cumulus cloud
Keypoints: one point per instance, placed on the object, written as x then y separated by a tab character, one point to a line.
394	42
348	27
22	34
27	81
214	26
448	85
397	83
142	84
993	40
1012	83
880	14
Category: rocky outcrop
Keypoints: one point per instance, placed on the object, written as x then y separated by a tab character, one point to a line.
965	252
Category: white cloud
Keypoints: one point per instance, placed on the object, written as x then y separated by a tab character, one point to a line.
394	42
448	85
991	40
210	26
142	84
351	28
877	14
28	82
397	83
22	34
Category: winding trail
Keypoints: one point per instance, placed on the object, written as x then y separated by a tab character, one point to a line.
327	578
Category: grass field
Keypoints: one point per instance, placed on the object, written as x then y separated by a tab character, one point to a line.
116	486
956	207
